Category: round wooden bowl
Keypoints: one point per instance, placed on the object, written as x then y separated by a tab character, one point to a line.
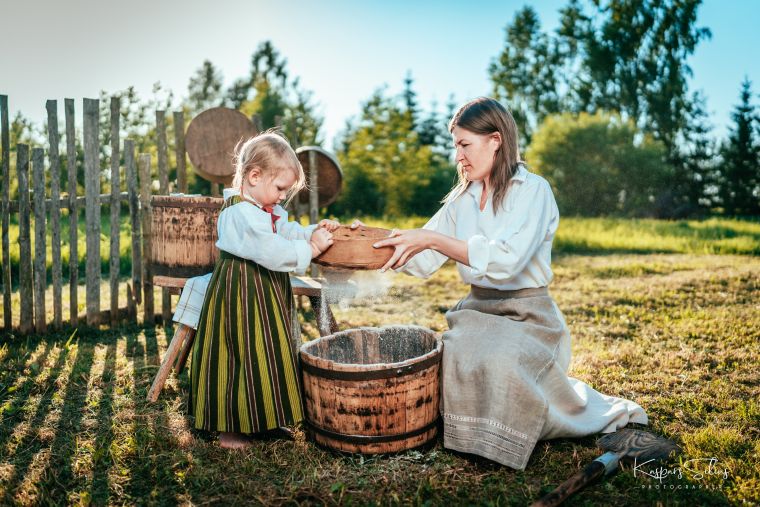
211	138
352	249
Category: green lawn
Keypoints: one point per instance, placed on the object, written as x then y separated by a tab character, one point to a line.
677	333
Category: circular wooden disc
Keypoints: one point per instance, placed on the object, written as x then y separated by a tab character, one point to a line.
211	138
329	175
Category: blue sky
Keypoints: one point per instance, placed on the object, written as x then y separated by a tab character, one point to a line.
341	50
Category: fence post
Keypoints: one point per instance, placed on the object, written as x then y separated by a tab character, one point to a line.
115	210
179	147
40	278
163	188
134	215
24	240
6	175
148	310
92	207
55	209
71	166
313	196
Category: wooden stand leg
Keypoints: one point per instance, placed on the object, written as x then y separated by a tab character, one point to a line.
166	365
325	328
186	348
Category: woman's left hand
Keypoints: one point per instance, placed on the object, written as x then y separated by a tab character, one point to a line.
330	225
407	243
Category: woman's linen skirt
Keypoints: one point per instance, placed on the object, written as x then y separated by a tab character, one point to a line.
243	376
505	383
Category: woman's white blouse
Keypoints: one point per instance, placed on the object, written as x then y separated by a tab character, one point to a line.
509	250
245	230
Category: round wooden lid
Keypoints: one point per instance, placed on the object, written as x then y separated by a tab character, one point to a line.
211	138
329	175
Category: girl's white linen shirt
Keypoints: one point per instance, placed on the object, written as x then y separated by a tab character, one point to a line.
245	230
508	250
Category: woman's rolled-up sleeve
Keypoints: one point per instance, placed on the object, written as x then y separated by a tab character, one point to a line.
427	262
530	222
242	235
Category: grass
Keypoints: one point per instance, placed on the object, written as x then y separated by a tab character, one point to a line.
676	332
592	236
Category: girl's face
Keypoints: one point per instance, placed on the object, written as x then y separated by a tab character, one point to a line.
269	189
475	152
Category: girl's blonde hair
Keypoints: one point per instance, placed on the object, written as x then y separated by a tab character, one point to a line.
271	153
486	116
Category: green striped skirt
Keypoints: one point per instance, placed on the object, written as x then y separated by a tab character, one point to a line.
243	376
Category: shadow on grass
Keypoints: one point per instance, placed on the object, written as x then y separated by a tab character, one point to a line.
33	444
102	458
152	468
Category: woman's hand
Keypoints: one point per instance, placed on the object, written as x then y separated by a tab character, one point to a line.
321	239
356	223
407	243
330	225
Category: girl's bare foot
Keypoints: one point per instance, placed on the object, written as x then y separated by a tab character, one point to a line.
229	440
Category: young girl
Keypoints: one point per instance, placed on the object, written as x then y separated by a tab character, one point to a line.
243	377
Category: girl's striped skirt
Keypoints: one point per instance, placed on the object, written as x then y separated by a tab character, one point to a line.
243	376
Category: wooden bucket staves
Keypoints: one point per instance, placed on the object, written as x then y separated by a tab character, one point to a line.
373	390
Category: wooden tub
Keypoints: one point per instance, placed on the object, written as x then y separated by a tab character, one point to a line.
183	235
372	390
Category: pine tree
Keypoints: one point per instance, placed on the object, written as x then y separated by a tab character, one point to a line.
740	182
205	88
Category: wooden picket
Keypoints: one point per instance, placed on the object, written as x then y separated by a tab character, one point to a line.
163	188
115	210
24	240
71	164
43	209
40	253
5	267
91	132
55	209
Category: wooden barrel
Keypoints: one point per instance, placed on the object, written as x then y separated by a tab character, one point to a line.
372	390
183	235
329	175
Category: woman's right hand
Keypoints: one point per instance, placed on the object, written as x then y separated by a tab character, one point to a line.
321	239
407	244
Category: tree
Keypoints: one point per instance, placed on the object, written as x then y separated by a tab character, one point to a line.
525	74
599	164
263	91
695	183
383	161
268	92
205	88
740	181
625	55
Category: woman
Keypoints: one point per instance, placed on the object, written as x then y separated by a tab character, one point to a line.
507	351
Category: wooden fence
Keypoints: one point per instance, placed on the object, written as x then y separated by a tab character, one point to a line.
41	207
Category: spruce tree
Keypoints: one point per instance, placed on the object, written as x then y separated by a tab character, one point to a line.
740	181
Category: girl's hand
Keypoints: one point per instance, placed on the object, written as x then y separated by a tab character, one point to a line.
408	243
328	224
356	223
321	239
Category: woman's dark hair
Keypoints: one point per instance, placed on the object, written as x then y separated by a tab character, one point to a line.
486	116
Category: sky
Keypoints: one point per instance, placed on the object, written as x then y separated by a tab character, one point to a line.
341	50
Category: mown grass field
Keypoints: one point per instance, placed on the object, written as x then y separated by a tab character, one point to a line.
664	313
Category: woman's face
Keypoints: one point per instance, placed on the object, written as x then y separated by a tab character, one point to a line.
475	152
